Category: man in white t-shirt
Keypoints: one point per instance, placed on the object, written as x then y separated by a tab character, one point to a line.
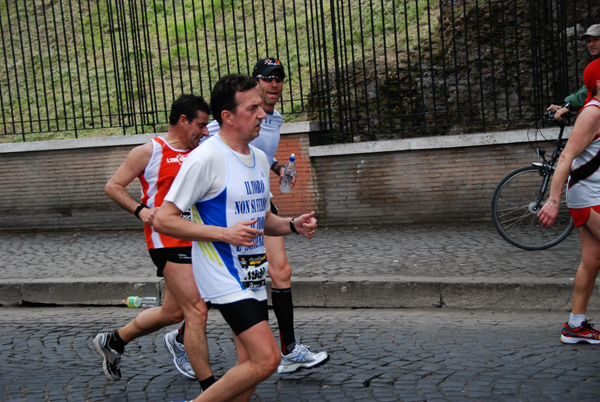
270	75
225	182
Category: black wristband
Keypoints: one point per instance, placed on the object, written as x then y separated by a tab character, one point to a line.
139	209
275	167
292	227
567	106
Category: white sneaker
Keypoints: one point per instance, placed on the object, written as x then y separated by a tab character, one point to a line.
301	358
180	357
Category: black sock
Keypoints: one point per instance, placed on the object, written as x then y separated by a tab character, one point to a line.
179	337
284	311
115	342
207	382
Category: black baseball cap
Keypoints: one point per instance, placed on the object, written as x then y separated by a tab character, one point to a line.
264	67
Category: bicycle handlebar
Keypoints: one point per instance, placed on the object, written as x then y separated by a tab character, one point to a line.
565	118
549	115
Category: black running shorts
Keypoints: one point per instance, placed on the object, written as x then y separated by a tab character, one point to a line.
178	255
244	314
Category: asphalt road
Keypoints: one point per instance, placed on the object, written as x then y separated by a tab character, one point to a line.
436	354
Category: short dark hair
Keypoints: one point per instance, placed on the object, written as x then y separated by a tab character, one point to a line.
223	94
188	105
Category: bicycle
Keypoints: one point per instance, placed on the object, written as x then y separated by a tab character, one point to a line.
521	194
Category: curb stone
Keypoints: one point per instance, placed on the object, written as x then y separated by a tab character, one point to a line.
342	292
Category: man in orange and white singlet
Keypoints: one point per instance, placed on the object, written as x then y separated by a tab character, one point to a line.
579	168
156	164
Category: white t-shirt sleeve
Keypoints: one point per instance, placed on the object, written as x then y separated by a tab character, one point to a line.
262	161
213	128
201	176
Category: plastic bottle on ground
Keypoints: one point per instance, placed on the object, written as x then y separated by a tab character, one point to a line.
137	301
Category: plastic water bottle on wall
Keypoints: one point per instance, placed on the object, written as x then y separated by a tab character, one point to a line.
137	301
288	175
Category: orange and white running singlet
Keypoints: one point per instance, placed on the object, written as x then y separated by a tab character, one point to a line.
156	180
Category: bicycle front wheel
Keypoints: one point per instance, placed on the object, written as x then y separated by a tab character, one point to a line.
515	217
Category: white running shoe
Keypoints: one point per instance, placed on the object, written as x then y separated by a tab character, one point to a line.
301	358
180	357
111	359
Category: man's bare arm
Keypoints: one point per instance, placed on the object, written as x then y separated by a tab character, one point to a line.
132	167
305	225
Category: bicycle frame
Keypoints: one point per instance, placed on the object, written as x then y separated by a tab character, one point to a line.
547	166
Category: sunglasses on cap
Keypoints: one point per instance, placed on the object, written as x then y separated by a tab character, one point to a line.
270	78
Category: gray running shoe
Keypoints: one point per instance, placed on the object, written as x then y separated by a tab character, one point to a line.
111	359
180	357
301	358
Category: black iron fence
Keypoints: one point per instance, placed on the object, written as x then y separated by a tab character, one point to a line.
366	69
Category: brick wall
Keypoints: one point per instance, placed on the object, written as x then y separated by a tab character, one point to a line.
411	187
62	188
60	184
447	179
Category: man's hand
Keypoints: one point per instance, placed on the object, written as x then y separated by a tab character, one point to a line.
306	225
548	213
242	234
294	180
280	170
560	110
147	215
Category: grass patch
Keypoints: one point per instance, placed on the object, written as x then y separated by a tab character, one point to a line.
108	68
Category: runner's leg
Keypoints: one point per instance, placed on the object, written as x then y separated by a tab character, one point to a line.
180	282
590	263
153	319
258	357
280	273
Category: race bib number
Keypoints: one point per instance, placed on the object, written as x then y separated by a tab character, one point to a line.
255	270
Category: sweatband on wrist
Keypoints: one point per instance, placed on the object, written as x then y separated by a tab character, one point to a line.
139	209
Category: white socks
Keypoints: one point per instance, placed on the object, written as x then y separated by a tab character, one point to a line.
575	320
